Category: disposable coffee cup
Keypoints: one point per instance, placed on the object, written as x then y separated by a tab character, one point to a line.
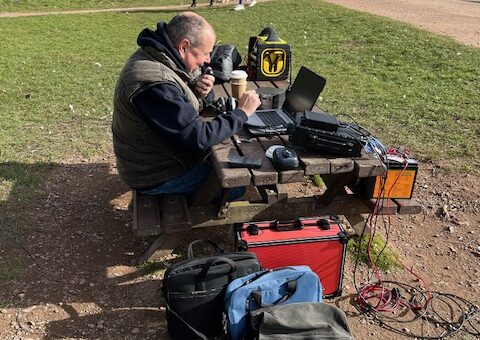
238	80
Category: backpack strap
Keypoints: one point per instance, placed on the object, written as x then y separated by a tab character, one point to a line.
291	289
190	327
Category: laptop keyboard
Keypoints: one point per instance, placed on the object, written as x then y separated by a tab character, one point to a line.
271	118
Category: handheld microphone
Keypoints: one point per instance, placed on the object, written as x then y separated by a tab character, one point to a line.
208	70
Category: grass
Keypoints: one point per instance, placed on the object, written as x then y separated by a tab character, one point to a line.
56	5
57	75
150	267
383	257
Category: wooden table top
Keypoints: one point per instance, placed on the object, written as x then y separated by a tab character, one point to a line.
311	163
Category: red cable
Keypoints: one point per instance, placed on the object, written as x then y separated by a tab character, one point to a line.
386	299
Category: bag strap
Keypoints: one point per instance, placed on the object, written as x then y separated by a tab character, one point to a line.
190	327
291	289
216	248
200	279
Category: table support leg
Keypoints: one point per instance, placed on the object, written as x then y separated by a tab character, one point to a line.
335	185
358	223
162	246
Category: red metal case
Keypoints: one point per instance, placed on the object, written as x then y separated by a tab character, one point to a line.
318	242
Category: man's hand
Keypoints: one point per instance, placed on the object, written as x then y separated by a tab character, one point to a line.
204	84
249	102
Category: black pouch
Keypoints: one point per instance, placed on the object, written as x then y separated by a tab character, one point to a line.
224	59
194	290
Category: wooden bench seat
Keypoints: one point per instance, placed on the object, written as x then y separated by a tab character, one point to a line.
153	215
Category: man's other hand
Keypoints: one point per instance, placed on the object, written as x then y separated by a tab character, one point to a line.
204	84
249	102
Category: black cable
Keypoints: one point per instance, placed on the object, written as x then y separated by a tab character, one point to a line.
347	115
449	328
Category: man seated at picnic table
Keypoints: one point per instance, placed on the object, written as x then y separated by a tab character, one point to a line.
159	138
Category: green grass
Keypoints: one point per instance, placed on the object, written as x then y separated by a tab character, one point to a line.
383	257
56	5
407	86
317	181
150	267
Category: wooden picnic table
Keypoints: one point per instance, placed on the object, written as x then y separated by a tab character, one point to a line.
168	216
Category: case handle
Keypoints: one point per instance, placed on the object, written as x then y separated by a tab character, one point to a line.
290	225
215	247
200	279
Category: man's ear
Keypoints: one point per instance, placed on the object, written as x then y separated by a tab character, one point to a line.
183	46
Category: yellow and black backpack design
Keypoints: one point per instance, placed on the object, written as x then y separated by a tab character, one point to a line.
268	56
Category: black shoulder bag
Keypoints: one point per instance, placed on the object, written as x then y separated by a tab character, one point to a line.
194	290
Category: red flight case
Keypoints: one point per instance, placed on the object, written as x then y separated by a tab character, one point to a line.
318	242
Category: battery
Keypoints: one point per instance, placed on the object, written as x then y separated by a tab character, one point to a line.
397	184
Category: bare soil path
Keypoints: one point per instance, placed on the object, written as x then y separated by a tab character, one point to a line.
459	19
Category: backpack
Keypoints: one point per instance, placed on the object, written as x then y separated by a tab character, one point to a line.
268	287
224	59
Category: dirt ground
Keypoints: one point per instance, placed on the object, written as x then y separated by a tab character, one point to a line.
79	283
459	19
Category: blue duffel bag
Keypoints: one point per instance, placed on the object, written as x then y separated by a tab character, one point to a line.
265	288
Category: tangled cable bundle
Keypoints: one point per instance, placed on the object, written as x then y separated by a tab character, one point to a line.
392	303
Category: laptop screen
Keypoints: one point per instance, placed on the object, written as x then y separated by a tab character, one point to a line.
304	92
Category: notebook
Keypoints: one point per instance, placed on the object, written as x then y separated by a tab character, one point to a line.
302	95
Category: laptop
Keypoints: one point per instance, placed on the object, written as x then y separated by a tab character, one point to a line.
302	95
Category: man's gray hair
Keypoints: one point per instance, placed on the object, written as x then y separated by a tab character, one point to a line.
187	26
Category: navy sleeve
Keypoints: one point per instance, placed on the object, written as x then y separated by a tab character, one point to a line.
167	110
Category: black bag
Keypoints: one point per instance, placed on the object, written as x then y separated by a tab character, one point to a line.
224	59
315	320
194	290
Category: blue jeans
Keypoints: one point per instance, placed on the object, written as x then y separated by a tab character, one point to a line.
189	182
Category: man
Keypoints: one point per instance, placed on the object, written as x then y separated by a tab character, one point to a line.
159	138
241	6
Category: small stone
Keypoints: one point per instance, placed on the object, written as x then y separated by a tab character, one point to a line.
135	330
451	229
91	284
91	325
4	311
82	281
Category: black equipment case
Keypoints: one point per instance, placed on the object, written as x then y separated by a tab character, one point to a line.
194	290
334	138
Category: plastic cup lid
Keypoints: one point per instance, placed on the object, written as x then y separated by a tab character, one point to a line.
238	74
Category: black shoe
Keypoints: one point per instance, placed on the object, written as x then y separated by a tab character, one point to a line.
193	5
